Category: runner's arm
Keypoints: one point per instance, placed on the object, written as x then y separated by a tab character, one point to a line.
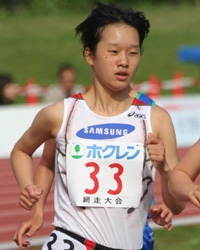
43	178
163	129
43	128
44	174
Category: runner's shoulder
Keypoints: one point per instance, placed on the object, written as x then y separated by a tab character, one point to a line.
160	113
53	112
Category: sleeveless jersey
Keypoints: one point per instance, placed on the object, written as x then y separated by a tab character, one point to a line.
96	157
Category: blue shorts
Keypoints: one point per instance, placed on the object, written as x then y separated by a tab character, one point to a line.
148	237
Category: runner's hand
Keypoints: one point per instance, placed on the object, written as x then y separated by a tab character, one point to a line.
194	196
29	196
162	216
27	228
156	152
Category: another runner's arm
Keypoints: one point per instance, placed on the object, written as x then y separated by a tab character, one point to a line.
181	183
42	129
163	129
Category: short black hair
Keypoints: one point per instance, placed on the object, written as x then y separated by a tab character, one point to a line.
104	15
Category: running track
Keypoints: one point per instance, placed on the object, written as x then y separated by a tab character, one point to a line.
11	214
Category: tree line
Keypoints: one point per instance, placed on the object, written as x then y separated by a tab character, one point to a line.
62	5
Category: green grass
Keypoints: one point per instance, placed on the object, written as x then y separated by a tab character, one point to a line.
170	28
34	45
184	237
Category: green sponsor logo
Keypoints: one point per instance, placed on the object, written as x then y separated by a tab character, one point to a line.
77	150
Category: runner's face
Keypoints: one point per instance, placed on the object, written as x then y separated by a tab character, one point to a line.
117	57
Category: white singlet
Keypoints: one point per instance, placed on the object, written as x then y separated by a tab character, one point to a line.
103	177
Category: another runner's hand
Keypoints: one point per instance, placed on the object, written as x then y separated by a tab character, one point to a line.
194	196
156	152
29	196
162	216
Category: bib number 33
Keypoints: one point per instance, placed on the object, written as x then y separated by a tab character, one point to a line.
111	182
93	176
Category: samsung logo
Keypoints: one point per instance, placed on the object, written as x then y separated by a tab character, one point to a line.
105	131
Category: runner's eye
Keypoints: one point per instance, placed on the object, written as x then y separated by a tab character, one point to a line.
113	51
133	53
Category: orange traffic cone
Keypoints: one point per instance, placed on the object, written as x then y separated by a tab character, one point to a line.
154	86
178	88
31	92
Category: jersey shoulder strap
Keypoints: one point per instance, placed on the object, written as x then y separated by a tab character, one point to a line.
142	99
77	96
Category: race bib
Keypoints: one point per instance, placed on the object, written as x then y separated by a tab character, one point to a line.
102	174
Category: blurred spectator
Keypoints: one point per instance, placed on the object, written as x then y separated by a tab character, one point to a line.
66	84
8	89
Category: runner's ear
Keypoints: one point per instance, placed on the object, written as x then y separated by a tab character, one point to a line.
88	56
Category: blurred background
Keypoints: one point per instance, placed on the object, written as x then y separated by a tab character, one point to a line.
37	37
